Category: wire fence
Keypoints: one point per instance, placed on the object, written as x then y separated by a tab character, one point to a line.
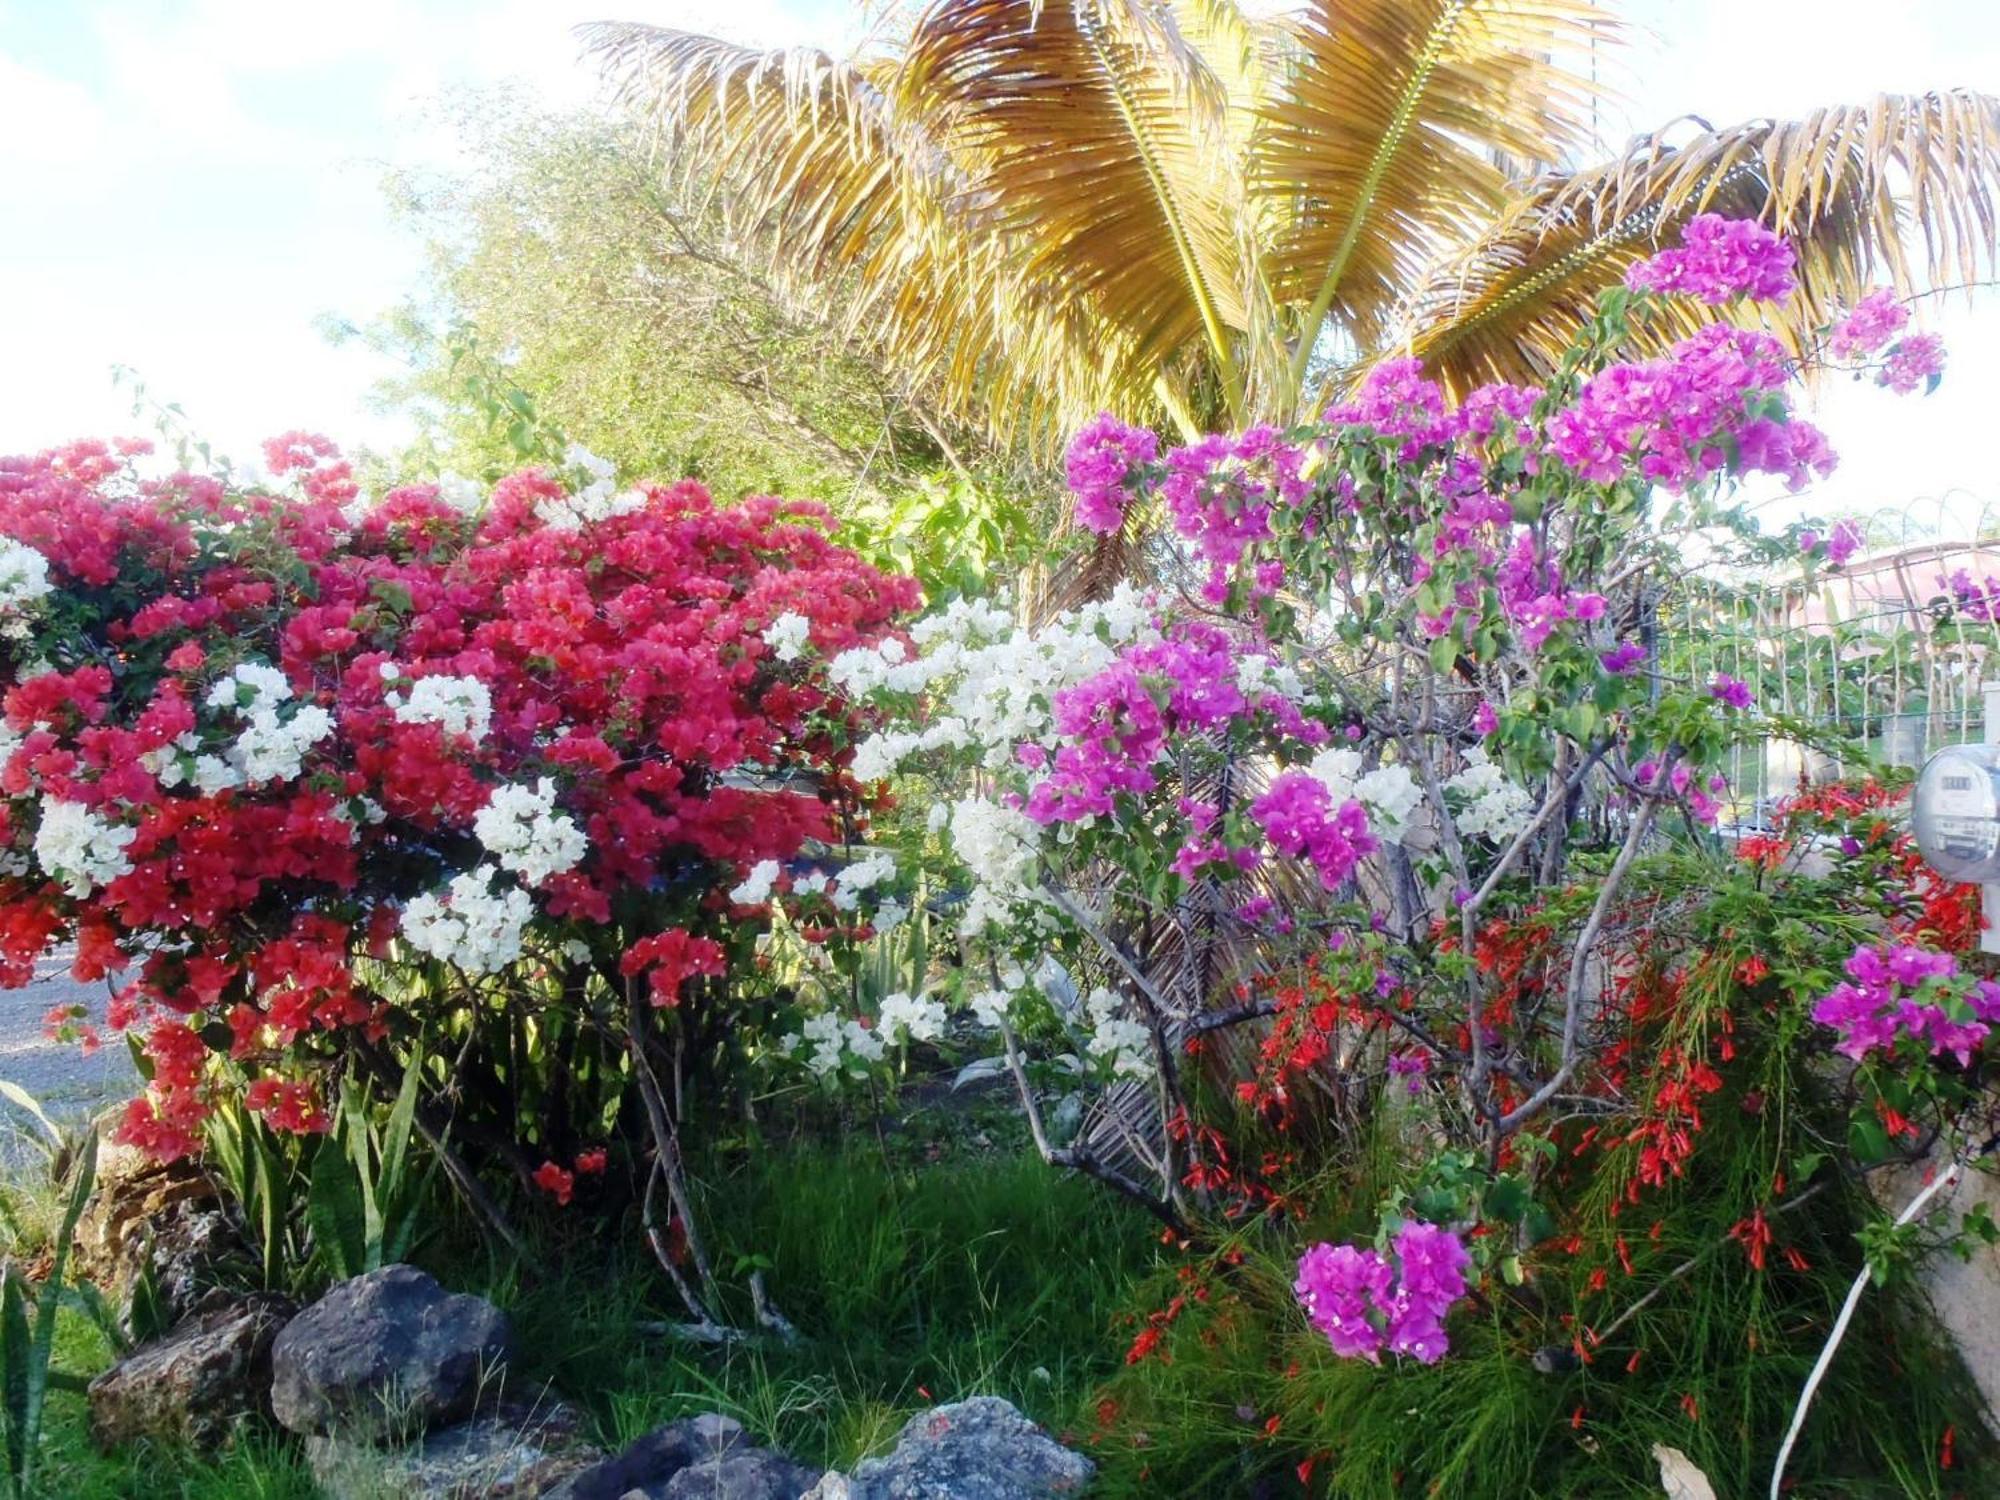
1889	654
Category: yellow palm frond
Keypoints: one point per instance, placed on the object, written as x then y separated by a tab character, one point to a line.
1386	138
1024	209
1090	127
1854	188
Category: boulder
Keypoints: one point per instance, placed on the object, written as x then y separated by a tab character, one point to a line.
387	1355
740	1474
982	1449
196	1384
514	1451
708	1457
163	1221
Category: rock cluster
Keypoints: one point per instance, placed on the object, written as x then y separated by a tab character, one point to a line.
399	1389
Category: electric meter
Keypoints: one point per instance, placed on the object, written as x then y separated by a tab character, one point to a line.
1956	813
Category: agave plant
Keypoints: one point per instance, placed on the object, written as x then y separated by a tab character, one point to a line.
1180	210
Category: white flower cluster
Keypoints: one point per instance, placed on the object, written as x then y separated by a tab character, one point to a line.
991	1007
1259	675
829	1035
269	747
882	754
874	868
1125	1044
867	669
274	749
787	635
521	828
470	925
250	687
24	575
998	846
910	1018
994	683
756	887
1492	806
599	500
76	846
466	496
1389	793
462	705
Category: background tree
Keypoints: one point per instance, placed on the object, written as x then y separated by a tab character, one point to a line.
1041	208
573	295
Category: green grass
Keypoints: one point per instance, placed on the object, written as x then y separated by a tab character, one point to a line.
911	1282
921	1273
261	1467
986	1275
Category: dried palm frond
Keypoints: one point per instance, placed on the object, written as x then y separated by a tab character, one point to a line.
1850	187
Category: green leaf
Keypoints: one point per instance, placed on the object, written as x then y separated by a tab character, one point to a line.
396	1136
335	1212
14	1094
15	1345
1867	1139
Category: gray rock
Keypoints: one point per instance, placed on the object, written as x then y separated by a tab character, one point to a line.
651	1463
198	1383
982	1449
513	1452
386	1355
740	1474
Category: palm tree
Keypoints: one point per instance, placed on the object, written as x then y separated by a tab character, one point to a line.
1036	209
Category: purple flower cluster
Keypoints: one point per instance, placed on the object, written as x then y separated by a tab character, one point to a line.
1396	401
1846	540
1413	1066
1532	594
1869	324
1102	457
1913	361
1116	724
1905	991
1298	816
1495	408
1220	491
1204	847
1623	659
1731	692
1670	416
1364	1305
1718	261
1972	598
1681	783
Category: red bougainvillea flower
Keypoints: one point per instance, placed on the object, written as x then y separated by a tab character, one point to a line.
554	1181
432	730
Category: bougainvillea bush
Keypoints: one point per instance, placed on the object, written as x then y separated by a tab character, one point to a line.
1335	839
316	778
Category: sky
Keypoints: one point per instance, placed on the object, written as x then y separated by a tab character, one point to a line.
187	187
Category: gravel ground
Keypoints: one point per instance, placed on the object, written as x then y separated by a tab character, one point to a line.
68	1085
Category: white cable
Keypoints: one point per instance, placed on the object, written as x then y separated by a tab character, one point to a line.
1944	1180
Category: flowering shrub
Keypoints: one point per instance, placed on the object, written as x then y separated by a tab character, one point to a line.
310	774
1342	760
